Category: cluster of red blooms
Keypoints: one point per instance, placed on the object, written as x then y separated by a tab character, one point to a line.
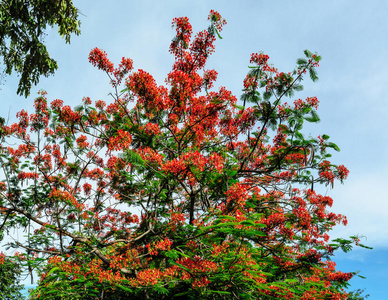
2	258
99	59
159	245
259	59
121	141
309	102
191	163
237	194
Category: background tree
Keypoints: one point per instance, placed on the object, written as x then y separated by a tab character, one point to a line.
176	191
10	288
22	30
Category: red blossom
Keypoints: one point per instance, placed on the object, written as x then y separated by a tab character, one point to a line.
122	140
82	141
343	172
259	59
99	59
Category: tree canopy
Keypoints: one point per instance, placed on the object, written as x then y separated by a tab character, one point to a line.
22	32
176	191
10	288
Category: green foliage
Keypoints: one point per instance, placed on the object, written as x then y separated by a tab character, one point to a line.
9	279
22	30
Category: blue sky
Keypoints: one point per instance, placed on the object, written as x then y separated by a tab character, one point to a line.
352	89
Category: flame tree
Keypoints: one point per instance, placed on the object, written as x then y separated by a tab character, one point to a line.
176	191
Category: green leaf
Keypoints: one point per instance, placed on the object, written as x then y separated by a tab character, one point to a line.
255	233
52	271
227	217
313	118
239	106
308	53
247	222
364	246
79	108
172	254
297	87
231	173
124	288
267	95
317	58
135	158
219	292
220	37
299	136
334	146
313	74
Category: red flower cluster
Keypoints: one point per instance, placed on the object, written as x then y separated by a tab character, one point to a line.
121	141
99	59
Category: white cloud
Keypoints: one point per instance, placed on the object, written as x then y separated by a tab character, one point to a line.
363	199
